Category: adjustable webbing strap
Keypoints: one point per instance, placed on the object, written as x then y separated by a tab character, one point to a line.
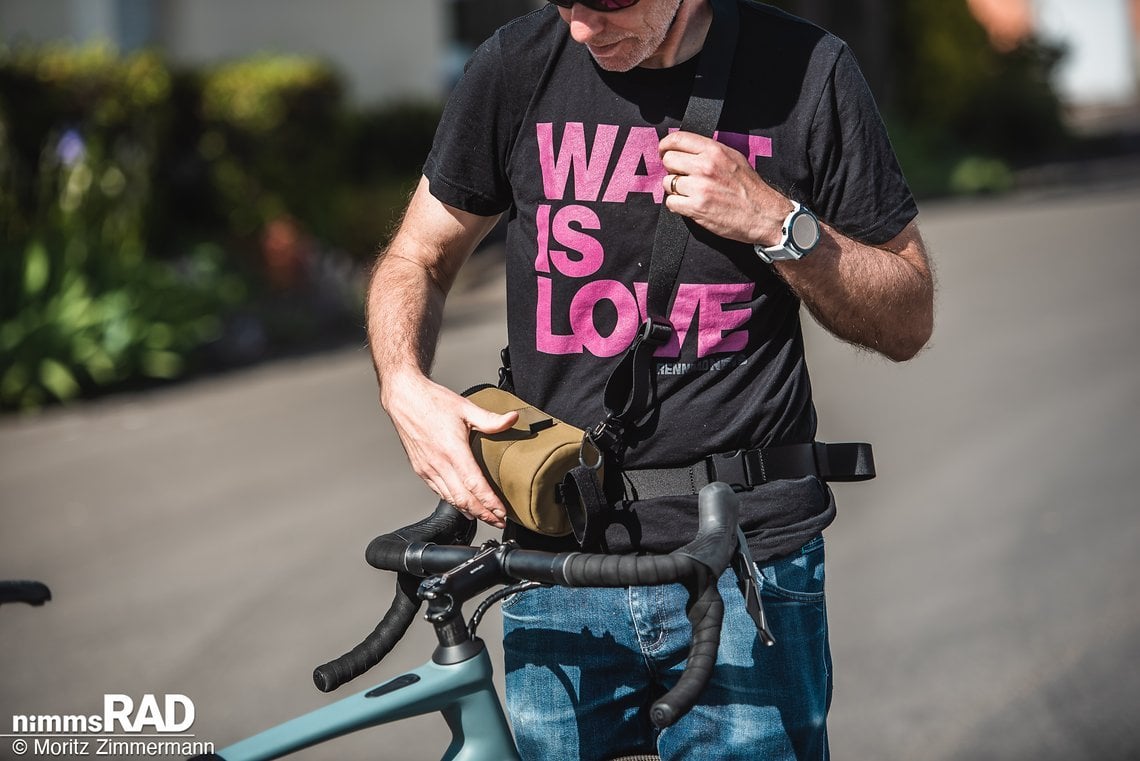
701	116
753	467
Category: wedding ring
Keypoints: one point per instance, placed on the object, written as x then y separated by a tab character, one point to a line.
673	185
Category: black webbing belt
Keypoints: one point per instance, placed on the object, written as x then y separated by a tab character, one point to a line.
753	467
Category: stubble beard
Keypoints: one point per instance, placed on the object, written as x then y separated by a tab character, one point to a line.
659	20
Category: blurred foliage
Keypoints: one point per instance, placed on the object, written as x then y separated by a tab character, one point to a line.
274	130
979	105
155	221
962	114
395	139
389	142
81	303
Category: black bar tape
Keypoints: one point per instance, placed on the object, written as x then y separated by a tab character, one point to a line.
445	526
389	552
377	644
706	616
31	592
589	570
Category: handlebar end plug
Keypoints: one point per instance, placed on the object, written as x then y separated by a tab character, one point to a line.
663	716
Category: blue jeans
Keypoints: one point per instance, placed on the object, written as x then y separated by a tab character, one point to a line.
584	665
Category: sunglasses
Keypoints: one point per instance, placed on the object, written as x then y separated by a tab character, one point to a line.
602	6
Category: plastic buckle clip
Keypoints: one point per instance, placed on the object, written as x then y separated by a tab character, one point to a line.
506	376
606	436
731	468
653	332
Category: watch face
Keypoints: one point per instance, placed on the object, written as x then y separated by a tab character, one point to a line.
805	232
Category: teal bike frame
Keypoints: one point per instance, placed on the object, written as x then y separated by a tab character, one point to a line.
463	692
456	682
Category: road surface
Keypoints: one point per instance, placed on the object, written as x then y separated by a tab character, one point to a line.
207	540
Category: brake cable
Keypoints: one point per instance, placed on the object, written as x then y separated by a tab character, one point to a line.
496	596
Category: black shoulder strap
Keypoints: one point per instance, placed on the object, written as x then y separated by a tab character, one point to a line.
701	116
630	392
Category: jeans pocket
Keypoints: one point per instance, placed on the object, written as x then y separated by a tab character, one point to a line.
522	604
798	577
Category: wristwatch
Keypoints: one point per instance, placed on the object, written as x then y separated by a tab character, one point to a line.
799	235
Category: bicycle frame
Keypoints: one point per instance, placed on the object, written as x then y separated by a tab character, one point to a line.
462	691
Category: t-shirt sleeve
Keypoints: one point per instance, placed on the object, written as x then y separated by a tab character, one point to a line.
467	164
859	187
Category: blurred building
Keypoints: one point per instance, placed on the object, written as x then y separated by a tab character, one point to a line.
385	48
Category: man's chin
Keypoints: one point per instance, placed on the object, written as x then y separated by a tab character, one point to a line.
615	57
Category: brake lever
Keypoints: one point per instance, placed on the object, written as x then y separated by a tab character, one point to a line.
749	584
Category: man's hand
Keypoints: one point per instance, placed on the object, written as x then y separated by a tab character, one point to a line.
435	425
877	296
714	186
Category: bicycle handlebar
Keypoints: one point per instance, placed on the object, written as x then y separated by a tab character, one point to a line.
31	592
419	550
446	526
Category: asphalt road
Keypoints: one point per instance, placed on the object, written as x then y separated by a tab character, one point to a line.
207	540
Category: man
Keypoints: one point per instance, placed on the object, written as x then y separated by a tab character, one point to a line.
566	121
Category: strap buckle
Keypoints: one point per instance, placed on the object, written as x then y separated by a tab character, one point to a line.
506	375
607	435
653	332
734	469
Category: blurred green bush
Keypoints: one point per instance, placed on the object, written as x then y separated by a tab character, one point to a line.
963	115
273	138
969	112
82	304
155	221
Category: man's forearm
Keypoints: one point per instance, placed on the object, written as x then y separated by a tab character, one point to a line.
406	294
879	298
404	313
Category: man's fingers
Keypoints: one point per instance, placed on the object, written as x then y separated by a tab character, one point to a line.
434	425
682	163
465	480
470	495
485	421
684	142
474	497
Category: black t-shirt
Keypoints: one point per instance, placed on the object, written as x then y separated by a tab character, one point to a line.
569	151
